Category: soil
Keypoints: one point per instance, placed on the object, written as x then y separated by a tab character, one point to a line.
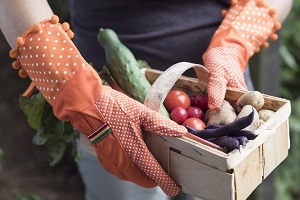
24	166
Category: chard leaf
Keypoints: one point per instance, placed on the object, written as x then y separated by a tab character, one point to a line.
33	108
51	132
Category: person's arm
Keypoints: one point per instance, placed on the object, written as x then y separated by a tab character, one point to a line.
44	51
17	16
283	8
247	26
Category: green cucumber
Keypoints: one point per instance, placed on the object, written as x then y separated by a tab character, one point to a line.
124	68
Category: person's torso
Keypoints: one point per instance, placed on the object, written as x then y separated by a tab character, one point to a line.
161	32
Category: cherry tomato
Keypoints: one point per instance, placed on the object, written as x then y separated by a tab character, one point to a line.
179	115
201	102
177	98
195	123
195	112
192	98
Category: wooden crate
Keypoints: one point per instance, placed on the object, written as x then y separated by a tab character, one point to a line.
211	174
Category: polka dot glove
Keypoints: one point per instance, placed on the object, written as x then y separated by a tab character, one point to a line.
112	121
247	25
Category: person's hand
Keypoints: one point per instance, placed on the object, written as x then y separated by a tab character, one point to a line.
112	121
246	26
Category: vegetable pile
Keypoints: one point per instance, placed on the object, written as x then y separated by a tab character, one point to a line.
186	110
230	127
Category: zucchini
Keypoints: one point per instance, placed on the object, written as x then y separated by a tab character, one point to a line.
124	68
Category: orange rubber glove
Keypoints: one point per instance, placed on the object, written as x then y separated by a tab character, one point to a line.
246	26
111	120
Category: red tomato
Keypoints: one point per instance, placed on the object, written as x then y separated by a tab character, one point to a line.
201	102
177	98
195	112
195	123
179	115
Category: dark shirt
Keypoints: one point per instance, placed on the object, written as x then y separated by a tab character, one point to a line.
161	32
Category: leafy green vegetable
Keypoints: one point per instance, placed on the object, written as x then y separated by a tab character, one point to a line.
33	108
55	134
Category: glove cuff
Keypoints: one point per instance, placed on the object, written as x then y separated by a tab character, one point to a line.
47	55
76	101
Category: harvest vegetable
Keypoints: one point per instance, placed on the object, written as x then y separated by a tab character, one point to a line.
124	68
201	101
222	127
225	115
229	143
242	140
248	134
229	136
51	132
195	112
265	114
179	115
230	126
177	98
231	129
246	110
253	98
195	123
178	103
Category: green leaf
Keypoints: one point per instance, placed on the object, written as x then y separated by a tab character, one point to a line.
51	131
33	108
52	126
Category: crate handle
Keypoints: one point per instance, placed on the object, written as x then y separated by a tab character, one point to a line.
163	84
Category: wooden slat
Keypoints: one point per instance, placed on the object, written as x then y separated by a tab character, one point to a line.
275	149
248	174
201	180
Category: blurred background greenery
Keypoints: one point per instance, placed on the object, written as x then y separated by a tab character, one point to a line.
285	181
287	177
